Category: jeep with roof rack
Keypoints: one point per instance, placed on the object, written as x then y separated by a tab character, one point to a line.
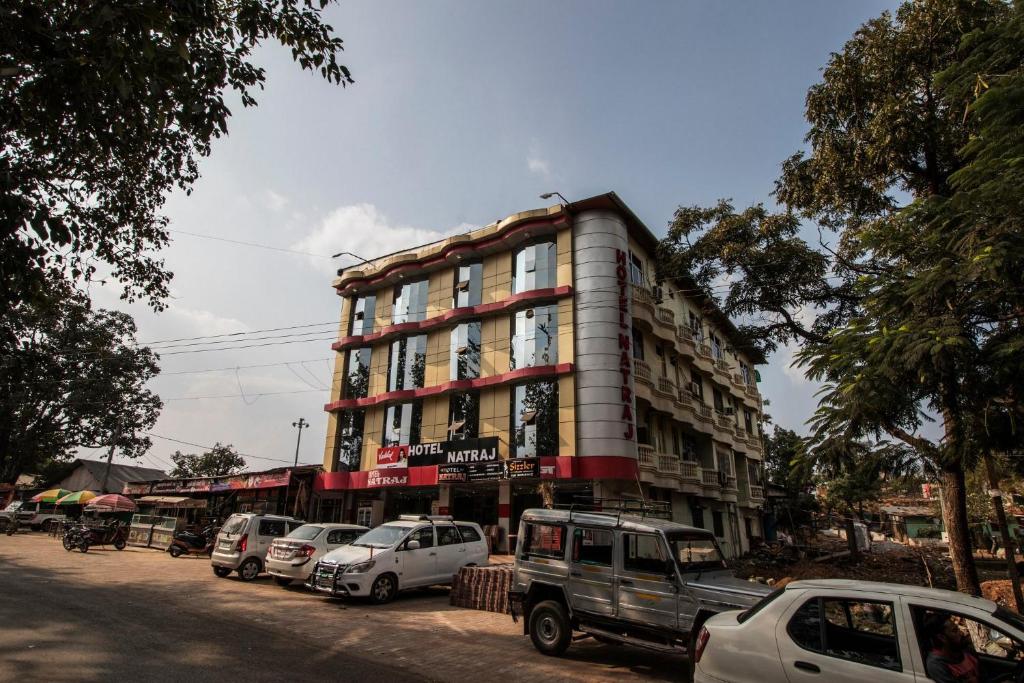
620	575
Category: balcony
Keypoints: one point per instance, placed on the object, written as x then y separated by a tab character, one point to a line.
756	493
642	297
704	412
645	456
668	464
689	471
725	422
642	371
685	335
751	390
705	351
738	381
665	316
709	479
730	484
667	387
723	368
684	398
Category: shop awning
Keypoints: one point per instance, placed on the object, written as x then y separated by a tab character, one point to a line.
171	502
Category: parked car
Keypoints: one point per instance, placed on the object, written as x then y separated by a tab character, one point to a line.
415	550
294	556
621	578
35	515
243	541
844	631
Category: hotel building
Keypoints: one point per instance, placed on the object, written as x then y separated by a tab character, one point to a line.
537	360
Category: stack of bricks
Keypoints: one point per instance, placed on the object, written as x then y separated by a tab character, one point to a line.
482	588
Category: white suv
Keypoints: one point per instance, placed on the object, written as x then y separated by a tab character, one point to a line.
294	556
243	541
415	550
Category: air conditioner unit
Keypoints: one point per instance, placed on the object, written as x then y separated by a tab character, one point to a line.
659	293
694	388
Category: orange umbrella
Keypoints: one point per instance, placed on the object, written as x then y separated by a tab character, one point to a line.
112	502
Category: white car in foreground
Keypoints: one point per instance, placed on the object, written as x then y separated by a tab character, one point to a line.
293	557
414	551
844	631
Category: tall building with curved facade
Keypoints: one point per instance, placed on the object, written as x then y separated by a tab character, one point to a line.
536	359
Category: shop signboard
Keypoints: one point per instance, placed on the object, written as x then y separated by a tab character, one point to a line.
267	480
136	488
452	474
378	478
463	451
523	468
392	456
485	471
167	486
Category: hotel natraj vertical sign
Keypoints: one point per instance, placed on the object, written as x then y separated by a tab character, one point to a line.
625	340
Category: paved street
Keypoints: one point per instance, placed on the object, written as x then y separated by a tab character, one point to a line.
141	615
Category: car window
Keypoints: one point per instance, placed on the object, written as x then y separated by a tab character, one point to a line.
545	540
643	553
235	524
982	637
342	536
860	631
424	535
448	535
295	525
592	546
469	534
306	532
271	527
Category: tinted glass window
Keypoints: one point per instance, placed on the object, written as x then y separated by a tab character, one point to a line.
306	532
348	440
425	536
465	351
342	536
410	302
402	424
363	310
544	540
534	267
858	631
805	626
271	527
643	553
592	546
534	337
357	373
535	419
448	535
468	285
463	415
469	534
235	524
408	363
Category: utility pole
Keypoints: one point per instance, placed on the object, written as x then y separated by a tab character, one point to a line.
301	424
110	460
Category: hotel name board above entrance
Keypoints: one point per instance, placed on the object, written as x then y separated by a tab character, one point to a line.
461	452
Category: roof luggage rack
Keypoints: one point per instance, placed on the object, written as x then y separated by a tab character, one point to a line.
616	507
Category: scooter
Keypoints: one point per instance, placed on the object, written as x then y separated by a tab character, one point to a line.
191	543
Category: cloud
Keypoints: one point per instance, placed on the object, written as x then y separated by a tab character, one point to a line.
794	373
275	201
537	163
363	230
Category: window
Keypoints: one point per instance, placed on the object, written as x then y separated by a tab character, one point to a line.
745	373
719	401
468	285
695	551
592	546
638	344
534	267
748	421
662	355
535	419
643	553
753	473
306	532
425	536
716	347
402	424
408	363
636	271
687	446
544	540
410	302
697	513
717	523
697	327
988	643
463	415
469	534
342	536
363	310
271	527
698	385
465	351
348	440
448	535
357	373
859	631
534	337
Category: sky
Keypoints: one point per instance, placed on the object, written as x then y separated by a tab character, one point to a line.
461	114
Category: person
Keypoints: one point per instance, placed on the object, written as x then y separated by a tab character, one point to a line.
950	659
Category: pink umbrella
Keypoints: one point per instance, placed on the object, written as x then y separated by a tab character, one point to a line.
112	501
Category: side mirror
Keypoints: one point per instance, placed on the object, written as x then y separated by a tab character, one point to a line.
412	545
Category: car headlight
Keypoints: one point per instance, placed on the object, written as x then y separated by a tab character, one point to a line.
362	567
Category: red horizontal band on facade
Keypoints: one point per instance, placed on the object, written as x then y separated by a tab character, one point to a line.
507	235
454	385
454	315
552	467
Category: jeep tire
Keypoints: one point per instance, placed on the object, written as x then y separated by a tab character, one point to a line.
549	628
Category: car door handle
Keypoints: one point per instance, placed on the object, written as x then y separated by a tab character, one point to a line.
625	582
807	666
433	554
575	574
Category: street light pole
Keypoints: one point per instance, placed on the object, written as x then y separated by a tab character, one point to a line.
301	424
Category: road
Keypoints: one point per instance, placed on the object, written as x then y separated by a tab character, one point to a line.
142	615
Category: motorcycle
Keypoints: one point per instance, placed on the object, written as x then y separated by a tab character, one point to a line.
83	537
192	543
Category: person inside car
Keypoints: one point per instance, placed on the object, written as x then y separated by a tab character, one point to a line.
950	657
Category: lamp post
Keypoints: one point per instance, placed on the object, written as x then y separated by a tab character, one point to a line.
549	195
301	424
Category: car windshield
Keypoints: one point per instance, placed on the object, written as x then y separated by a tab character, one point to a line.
695	552
234	525
383	536
306	532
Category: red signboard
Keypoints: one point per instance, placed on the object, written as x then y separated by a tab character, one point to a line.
395	477
392	456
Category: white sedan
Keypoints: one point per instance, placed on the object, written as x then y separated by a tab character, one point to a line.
293	557
843	631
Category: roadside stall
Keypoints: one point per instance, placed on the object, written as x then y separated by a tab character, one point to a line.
166	516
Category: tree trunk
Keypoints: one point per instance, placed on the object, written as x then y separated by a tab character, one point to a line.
1008	545
954	518
851	537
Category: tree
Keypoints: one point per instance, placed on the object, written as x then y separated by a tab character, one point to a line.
785	466
70	378
219	461
105	107
902	309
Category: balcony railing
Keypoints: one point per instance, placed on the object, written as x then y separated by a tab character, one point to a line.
704	350
723	367
756	492
725	421
684	398
730	484
642	295
665	315
689	471
737	380
642	371
751	390
667	387
704	412
668	464
645	455
684	334
709	478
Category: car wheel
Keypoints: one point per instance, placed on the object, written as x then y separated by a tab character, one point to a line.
282	581
221	572
175	551
249	570
384	589
549	628
119	544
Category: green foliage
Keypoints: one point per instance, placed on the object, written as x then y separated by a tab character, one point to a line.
106	107
219	461
71	377
784	463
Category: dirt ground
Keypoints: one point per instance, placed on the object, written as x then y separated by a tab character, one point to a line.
141	615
